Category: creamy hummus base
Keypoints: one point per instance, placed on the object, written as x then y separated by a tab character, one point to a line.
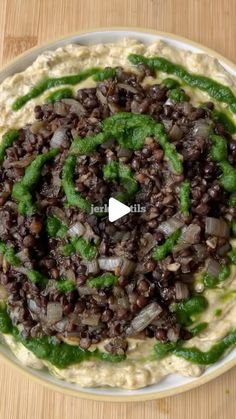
139	369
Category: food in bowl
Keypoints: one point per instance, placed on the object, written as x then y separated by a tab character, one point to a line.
121	303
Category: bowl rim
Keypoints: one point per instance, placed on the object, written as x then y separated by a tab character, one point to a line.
154	395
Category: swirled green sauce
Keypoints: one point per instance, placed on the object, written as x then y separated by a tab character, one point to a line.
9	254
73	198
103	281
7	140
22	190
195	355
186	309
170	83
48	83
224	119
65	285
59	95
161	251
130	131
61	355
55	227
216	90
185	201
219	154
81	246
198	328
122	173
178	95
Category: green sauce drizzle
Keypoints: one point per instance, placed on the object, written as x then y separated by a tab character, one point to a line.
118	171
170	83
214	89
107	73
222	118
185	201
161	251
232	200
218	312
73	198
219	155
198	328
7	140
9	254
194	355
178	95
188	308
130	131
22	191
59	94
61	355
80	245
103	281
46	84
36	277
65	285
55	227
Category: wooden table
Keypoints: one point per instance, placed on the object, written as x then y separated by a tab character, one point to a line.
25	23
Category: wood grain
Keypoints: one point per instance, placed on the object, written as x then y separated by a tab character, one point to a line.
25	23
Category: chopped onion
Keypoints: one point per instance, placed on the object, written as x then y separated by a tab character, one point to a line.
89	234
54	313
127	87
169	226
173	267
190	234
75	106
77	229
127	267
3	293
213	267
25	161
102	99
181	290
23	255
175	133
216	227
84	290
109	263
36	126
58	137
144	318
61	325
124	152
92	266
33	306
172	335
69	274
167	123
90	319
60	108
147	243
201	128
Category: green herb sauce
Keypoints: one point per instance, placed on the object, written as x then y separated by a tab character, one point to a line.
48	83
65	285
195	355
198	328
216	90
118	171
61	355
103	281
185	201
225	120
170	83
188	308
130	131
82	246
59	94
178	95
22	190
55	227
73	198
161	251
7	140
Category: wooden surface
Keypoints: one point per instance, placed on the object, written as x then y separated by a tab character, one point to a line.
25	23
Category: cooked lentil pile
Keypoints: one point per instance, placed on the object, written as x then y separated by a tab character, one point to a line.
72	274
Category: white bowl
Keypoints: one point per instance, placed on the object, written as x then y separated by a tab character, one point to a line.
172	384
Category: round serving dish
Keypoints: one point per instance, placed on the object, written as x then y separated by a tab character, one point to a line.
172	384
